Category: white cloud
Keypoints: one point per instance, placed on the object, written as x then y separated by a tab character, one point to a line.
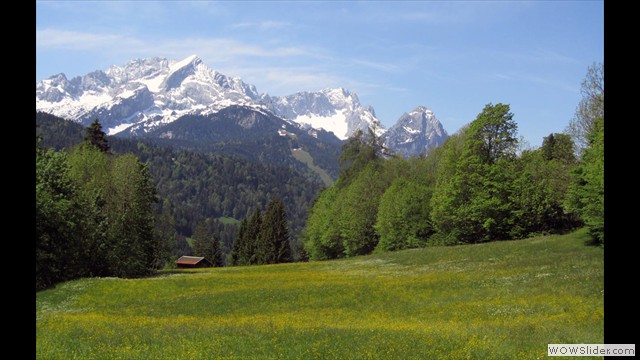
219	48
278	80
262	25
536	79
73	40
278	70
223	48
376	65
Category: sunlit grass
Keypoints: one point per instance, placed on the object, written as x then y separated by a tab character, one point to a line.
498	300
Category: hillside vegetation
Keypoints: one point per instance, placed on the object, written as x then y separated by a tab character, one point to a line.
482	184
495	300
197	187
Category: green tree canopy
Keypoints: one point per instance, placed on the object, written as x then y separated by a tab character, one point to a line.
321	237
586	194
471	197
94	216
403	219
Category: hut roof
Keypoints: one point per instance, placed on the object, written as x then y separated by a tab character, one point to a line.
189	260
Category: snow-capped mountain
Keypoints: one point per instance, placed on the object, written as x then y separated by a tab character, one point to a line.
415	132
335	110
147	92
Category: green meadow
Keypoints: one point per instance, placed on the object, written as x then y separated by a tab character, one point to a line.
498	300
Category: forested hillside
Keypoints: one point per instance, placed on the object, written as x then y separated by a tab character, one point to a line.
478	186
244	132
194	187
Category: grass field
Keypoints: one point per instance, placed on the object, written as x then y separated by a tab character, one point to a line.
501	300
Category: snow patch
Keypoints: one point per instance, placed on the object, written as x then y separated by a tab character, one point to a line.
92	99
116	129
153	84
127	94
410	130
336	123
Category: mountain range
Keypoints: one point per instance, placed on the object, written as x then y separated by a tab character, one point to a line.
146	95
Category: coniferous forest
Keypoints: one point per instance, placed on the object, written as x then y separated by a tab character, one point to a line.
107	206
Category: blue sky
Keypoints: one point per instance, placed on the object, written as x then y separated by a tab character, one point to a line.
452	57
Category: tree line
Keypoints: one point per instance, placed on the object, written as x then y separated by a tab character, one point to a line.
263	238
478	186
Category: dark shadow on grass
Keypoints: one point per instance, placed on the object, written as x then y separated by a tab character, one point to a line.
593	242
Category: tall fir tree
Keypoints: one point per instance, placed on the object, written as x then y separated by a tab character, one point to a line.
206	244
215	252
272	246
96	137
237	257
244	247
200	240
251	237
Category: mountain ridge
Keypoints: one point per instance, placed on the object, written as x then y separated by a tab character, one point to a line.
146	94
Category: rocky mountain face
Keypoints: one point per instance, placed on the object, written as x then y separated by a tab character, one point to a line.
147	94
415	132
335	110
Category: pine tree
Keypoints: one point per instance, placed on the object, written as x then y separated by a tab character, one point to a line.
359	150
96	137
239	244
200	240
272	245
206	244
215	252
244	247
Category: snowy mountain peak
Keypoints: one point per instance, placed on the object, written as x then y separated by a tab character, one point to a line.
421	109
415	132
192	60
179	71
333	109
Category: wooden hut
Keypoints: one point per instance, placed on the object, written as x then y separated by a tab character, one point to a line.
193	262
